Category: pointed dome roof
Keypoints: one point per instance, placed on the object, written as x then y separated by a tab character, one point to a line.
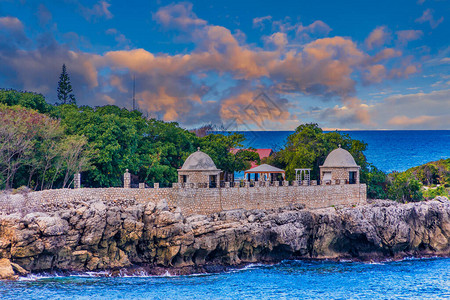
199	161
339	158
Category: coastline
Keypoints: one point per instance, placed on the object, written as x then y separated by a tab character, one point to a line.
155	239
162	272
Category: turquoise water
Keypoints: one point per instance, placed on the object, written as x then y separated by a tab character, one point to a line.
407	279
393	150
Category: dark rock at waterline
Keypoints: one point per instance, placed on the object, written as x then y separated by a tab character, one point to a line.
93	235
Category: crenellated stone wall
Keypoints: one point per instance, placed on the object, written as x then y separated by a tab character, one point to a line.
208	200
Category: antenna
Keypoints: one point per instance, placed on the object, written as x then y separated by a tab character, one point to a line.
134	92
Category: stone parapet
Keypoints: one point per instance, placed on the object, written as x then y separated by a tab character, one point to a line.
208	200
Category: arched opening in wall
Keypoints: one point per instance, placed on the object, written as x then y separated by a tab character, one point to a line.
352	177
212	181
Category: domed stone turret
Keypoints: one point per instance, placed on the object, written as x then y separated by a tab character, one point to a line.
199	170
199	161
339	158
339	168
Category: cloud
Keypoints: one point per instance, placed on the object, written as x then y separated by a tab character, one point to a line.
352	112
405	121
97	11
178	16
279	39
414	111
44	15
119	37
13	32
316	28
427	16
12	24
189	87
405	36
254	107
385	54
260	22
378	37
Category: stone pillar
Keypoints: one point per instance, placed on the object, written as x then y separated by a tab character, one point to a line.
295	183
156	185
77	181
313	182
285	183
126	180
227	184
247	183
305	182
276	183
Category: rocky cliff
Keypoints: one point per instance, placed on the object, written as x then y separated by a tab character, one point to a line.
94	235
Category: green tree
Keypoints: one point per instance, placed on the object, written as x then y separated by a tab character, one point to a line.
64	90
404	187
34	150
308	147
376	181
25	99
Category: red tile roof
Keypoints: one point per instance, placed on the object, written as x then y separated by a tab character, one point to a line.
263	153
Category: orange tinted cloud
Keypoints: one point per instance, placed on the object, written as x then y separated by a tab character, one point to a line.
407	121
378	37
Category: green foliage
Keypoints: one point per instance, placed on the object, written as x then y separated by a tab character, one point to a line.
434	192
404	187
308	147
24	99
153	150
218	146
33	150
64	90
376	181
436	172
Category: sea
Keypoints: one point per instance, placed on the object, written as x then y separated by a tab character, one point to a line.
410	278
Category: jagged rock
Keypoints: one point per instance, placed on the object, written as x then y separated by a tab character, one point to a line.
6	270
19	270
93	235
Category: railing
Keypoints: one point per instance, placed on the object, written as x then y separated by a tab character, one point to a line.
250	184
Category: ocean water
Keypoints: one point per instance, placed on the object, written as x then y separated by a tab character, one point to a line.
395	150
407	279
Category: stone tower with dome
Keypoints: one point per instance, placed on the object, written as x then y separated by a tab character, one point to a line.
339	168
199	170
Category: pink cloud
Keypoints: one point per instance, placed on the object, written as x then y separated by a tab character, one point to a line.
427	16
98	10
378	37
405	121
260	22
178	16
405	36
317	27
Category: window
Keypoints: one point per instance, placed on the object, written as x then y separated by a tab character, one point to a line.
183	178
212	181
352	177
326	178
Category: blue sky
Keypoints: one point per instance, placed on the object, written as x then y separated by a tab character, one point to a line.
265	65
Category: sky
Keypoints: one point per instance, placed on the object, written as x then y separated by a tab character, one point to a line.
241	65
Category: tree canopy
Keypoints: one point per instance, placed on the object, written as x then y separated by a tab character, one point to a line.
308	147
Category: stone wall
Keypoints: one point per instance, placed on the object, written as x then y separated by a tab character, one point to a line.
205	200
